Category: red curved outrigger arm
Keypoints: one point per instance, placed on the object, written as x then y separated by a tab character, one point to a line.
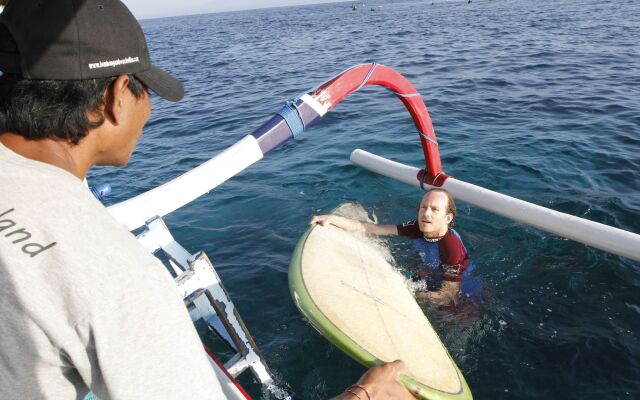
335	90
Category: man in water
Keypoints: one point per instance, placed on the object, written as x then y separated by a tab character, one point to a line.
443	254
83	305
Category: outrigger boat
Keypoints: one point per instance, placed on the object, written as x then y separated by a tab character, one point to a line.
195	275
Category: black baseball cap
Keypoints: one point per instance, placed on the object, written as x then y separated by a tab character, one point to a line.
78	39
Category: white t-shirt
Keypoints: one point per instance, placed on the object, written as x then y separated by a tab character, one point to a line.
82	305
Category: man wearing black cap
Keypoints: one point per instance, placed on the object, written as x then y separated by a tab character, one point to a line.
82	305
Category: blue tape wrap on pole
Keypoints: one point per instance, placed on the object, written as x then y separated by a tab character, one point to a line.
293	118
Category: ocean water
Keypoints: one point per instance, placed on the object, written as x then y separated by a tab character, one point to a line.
539	100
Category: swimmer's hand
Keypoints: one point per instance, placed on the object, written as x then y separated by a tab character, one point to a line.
448	294
352	225
381	382
348	224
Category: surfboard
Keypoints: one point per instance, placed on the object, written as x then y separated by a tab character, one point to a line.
345	286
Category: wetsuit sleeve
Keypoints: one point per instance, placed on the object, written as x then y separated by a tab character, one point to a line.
409	229
453	257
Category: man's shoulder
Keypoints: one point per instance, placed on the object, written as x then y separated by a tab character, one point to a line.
57	220
452	242
452	238
452	235
409	229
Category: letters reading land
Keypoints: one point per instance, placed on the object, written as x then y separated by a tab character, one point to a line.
19	235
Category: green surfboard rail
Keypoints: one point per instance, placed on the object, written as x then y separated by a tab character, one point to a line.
326	328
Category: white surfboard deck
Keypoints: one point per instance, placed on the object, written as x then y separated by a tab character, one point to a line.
351	293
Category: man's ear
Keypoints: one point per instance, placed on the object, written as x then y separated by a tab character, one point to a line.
114	98
449	218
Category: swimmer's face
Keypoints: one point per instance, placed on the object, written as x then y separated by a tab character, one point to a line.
433	218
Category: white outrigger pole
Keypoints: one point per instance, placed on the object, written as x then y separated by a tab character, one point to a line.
600	236
194	274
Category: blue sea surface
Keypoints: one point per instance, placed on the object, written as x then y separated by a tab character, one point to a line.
535	99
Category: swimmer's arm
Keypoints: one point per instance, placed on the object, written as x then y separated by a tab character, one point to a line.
351	225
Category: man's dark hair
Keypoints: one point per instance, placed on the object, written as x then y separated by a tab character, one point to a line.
451	204
38	109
